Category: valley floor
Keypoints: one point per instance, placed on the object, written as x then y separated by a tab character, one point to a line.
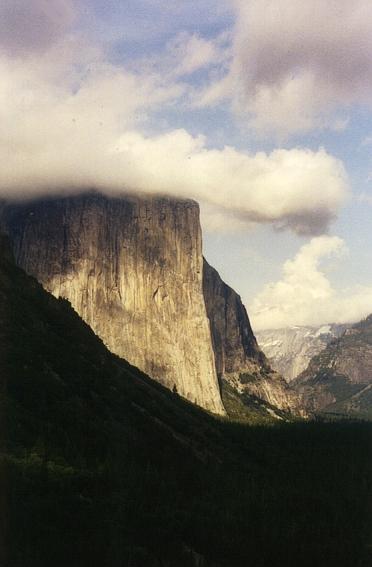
294	494
100	466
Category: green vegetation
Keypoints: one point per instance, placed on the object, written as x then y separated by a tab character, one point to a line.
102	467
248	409
246	378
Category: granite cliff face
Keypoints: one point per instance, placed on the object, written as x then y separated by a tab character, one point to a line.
132	268
290	350
339	379
239	360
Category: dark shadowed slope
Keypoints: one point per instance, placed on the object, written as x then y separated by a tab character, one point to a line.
102	467
242	368
81	425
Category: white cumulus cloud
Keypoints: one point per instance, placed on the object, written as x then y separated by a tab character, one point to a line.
304	294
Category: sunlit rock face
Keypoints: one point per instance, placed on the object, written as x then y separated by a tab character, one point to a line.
132	267
239	359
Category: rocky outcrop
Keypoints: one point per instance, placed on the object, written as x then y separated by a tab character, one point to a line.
239	360
132	267
290	349
339	379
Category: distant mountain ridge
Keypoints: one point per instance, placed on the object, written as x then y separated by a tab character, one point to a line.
290	349
338	380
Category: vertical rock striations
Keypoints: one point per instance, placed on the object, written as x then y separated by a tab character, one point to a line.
132	267
239	360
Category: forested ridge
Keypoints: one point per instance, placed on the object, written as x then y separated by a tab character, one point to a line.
101	466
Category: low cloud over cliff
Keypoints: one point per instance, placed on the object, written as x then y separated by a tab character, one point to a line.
72	119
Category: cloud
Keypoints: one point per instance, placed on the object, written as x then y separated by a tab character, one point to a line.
144	26
85	140
73	121
215	219
32	26
298	65
298	189
184	55
191	52
304	294
364	198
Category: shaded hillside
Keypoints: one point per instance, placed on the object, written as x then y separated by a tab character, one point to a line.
106	468
82	424
339	379
240	363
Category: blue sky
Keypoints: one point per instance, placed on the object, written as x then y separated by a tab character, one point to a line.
260	110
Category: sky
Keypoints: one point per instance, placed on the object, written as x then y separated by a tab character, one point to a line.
258	109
